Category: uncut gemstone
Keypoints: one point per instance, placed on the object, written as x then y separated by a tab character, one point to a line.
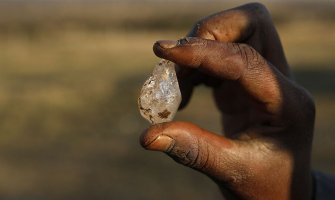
160	95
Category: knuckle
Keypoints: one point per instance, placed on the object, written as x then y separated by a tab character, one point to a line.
259	13
184	154
306	105
202	156
250	57
194	154
257	5
299	109
258	8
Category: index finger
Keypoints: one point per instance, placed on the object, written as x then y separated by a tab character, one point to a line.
250	24
231	61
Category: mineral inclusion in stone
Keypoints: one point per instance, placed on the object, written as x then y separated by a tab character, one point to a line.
160	95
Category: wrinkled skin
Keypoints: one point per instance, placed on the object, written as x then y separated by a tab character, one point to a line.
267	118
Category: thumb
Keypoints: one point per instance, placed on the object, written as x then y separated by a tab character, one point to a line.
192	146
242	169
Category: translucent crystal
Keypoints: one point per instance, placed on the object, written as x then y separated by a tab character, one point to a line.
160	95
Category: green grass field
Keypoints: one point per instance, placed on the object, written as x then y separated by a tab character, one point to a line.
70	77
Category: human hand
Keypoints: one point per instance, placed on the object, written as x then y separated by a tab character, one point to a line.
267	118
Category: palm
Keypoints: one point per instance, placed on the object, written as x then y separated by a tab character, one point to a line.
238	109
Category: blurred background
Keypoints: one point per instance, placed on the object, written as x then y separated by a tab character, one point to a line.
70	75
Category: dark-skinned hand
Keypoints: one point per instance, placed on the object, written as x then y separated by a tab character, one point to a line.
267	118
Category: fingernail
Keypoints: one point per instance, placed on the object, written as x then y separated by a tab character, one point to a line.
161	143
167	44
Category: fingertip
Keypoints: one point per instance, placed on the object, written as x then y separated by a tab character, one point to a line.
160	47
187	52
142	138
159	136
151	134
158	50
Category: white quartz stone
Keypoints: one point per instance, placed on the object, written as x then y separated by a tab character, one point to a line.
160	95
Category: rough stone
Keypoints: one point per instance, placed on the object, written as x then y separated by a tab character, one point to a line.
160	95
